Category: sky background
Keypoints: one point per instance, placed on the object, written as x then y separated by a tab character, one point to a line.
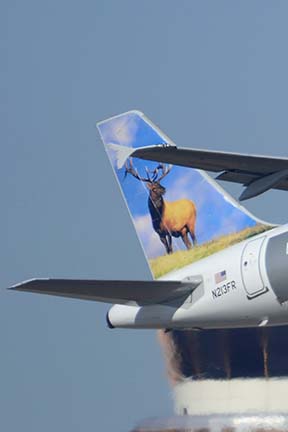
210	75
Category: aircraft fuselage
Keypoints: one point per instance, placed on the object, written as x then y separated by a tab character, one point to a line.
245	285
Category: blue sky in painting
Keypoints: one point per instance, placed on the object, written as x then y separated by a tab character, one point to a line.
216	215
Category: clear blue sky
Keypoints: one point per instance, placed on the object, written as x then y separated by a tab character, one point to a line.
211	75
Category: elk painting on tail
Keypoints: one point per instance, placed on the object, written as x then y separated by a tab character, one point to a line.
169	219
219	217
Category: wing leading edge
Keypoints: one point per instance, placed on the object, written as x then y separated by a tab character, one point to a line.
257	173
112	291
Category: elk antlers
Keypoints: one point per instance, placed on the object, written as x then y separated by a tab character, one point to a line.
156	175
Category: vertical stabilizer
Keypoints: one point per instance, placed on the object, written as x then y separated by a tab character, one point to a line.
180	214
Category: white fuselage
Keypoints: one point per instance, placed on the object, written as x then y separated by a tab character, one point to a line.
236	290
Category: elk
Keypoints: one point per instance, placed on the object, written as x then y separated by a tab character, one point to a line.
176	218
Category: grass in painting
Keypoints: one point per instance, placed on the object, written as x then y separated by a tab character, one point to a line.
166	263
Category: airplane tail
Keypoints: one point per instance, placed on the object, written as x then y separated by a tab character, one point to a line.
180	214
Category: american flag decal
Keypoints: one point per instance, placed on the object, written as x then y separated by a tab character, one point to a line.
220	277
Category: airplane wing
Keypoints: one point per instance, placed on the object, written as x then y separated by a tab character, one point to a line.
112	291
257	173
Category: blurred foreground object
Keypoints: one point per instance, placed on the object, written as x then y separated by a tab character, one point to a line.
231	423
227	380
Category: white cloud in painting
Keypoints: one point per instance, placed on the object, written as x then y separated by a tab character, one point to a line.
120	130
149	239
143	223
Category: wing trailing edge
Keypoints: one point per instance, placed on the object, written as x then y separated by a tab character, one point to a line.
112	291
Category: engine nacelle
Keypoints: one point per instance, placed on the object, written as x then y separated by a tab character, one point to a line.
152	316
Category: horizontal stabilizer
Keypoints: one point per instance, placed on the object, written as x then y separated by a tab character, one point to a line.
265	172
112	291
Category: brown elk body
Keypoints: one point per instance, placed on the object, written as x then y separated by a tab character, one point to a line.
176	218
